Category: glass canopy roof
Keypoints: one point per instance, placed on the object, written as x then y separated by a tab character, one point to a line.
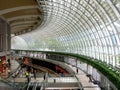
86	27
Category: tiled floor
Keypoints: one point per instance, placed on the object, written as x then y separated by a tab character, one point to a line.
85	80
14	65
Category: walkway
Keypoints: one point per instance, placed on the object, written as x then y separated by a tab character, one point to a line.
14	66
85	80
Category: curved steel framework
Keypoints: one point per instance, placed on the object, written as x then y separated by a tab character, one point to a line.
86	27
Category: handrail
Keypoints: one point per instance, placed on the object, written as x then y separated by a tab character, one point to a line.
14	84
79	83
28	85
57	63
61	64
15	72
34	85
22	86
34	88
37	83
43	84
8	82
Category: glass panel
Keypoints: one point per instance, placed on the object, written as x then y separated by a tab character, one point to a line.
86	27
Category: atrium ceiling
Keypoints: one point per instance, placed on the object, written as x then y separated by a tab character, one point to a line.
86	27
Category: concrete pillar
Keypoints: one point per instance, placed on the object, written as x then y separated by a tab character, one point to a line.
5	39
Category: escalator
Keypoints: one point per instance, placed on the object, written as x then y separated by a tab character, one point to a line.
5	86
30	88
38	88
34	86
31	85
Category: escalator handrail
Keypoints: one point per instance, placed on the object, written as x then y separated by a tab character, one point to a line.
23	86
35	85
79	83
12	84
43	84
28	85
15	72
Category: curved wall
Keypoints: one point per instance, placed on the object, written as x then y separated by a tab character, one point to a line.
86	27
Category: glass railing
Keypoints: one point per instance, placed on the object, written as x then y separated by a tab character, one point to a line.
79	83
7	82
15	85
43	85
21	85
37	86
31	85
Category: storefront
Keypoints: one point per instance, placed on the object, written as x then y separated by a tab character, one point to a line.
3	64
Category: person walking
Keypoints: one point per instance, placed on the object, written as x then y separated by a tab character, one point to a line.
44	76
9	64
9	71
27	76
77	70
34	74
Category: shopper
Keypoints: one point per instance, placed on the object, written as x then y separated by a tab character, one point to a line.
9	64
34	74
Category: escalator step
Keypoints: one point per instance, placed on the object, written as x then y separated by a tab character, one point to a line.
31	87
38	88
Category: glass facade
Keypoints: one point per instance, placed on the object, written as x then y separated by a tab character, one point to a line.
86	27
